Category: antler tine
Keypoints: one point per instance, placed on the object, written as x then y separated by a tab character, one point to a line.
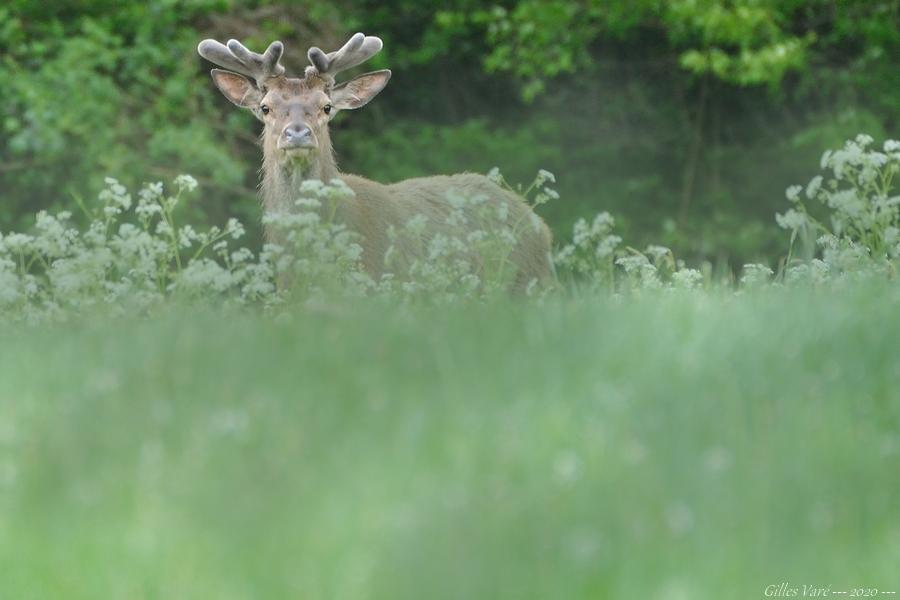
357	50
236	57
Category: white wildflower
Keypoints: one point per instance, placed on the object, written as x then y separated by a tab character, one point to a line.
18	242
187	236
417	225
658	252
864	140
185	183
502	212
755	274
544	176
813	187
234	228
791	219
793	192
687	279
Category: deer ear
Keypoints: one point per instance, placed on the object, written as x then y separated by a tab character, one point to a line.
237	88
359	90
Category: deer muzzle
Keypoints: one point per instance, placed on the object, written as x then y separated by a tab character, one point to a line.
296	136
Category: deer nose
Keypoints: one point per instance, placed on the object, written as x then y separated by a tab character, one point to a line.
297	136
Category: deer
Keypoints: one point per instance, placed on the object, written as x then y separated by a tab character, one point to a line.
296	147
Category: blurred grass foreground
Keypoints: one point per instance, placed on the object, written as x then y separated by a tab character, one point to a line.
671	446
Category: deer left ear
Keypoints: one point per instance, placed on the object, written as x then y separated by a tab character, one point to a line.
360	90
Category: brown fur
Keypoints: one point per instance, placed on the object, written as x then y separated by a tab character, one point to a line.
376	207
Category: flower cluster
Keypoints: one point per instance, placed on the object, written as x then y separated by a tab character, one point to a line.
133	254
129	256
312	254
861	236
591	254
597	259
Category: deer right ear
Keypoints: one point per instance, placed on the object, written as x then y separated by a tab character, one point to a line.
359	90
237	88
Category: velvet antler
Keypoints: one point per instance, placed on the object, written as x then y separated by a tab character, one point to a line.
236	57
357	50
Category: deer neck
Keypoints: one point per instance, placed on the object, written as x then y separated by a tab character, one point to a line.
282	179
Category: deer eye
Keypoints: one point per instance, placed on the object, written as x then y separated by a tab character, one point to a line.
327	109
264	109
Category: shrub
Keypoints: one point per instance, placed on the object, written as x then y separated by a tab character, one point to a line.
130	256
133	254
862	233
596	259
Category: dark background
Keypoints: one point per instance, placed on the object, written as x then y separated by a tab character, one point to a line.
685	119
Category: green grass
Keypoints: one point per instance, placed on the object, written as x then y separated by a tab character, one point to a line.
671	447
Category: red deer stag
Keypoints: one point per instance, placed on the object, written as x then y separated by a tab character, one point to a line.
297	147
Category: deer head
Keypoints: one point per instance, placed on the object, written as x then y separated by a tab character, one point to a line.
295	111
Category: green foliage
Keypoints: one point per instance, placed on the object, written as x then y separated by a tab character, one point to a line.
662	113
136	256
95	92
745	42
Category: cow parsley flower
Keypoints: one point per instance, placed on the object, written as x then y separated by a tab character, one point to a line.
658	252
234	229
185	183
543	176
755	275
793	192
687	279
791	220
813	187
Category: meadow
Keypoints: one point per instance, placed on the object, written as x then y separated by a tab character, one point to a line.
175	425
685	445
694	397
